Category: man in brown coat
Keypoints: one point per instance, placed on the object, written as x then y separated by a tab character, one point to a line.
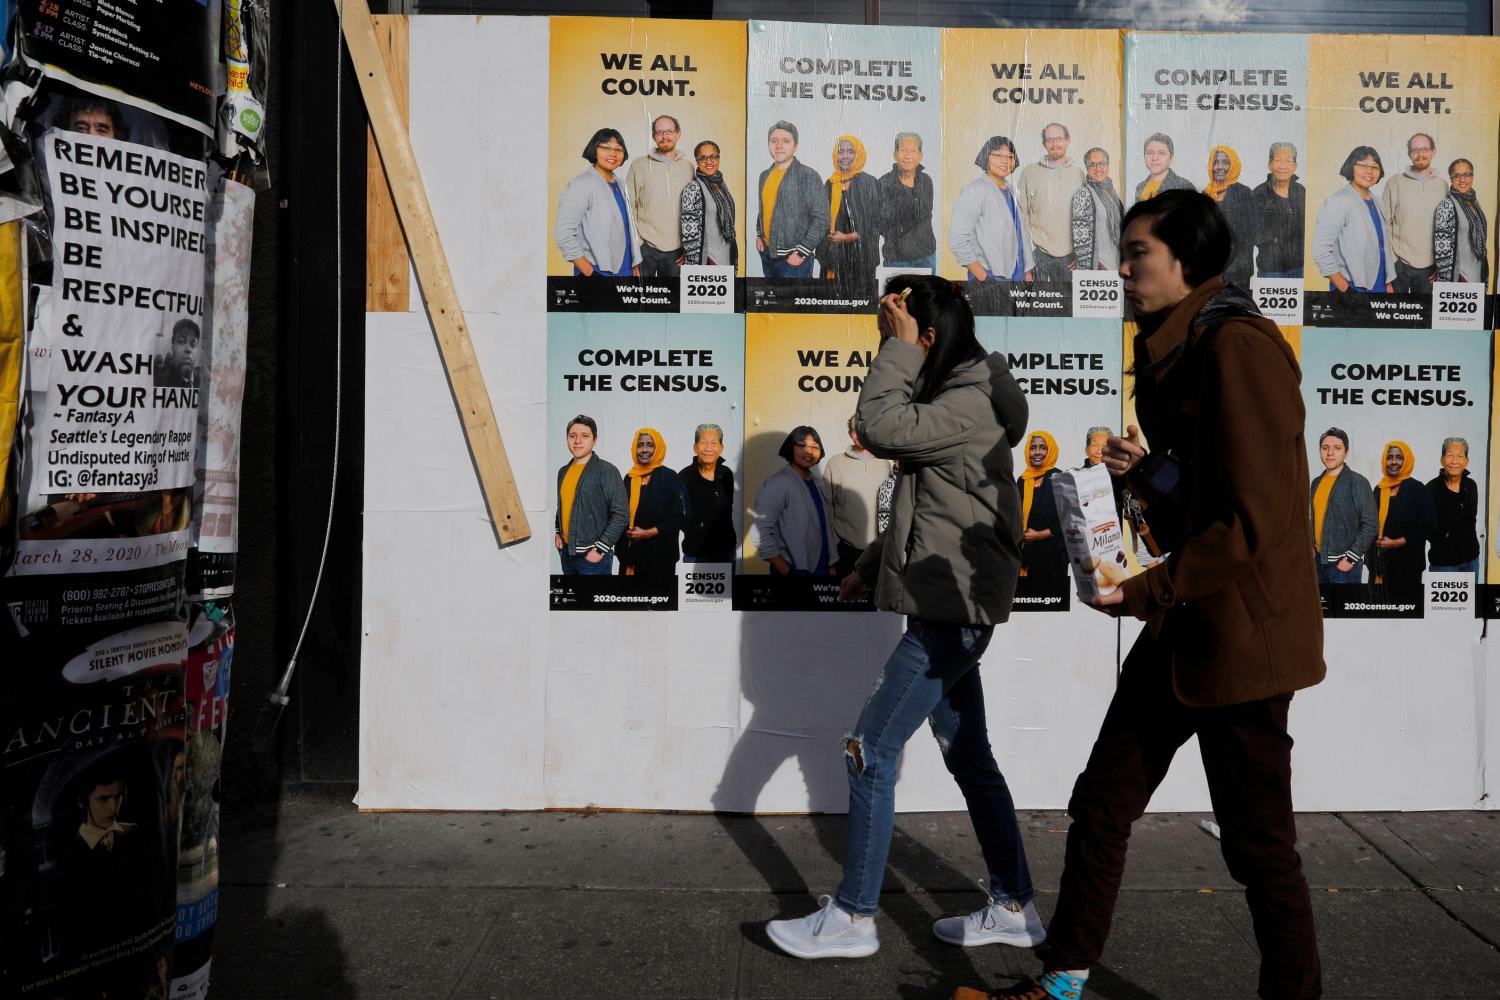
1235	621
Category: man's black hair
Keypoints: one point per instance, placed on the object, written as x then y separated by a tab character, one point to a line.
1164	139
940	304
1192	226
591	148
73	106
796	437
1359	153
585	421
1335	432
783	126
106	771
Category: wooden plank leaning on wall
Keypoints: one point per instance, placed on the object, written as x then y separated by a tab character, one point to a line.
424	243
387	267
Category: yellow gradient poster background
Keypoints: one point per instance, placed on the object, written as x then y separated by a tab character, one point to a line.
1380	90
622	73
799	370
1013	83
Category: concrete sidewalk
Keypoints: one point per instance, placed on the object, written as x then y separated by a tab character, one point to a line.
319	900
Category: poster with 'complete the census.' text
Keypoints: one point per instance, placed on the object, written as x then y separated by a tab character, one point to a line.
844	162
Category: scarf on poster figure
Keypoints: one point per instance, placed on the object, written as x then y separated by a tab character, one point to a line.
1114	208
1215	190
841	177
1391	485
1468	202
722	201
1032	478
638	473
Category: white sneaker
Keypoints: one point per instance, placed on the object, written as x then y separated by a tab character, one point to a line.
825	933
993	924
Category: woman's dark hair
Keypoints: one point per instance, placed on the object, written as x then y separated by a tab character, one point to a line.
994	142
587	422
1359	153
796	437
706	142
1454	165
591	148
1192	226
1334	432
940	304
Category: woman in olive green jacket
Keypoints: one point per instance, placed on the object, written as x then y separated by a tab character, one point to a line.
951	413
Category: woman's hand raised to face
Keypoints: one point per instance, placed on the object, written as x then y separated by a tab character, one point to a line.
894	321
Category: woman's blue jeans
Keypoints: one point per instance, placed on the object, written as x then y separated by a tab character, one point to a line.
934	675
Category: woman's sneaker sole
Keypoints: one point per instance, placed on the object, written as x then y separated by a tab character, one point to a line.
1014	940
857	950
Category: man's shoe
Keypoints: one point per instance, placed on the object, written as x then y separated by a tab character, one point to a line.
1052	986
993	924
825	933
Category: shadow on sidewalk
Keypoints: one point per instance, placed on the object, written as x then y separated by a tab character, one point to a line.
263	935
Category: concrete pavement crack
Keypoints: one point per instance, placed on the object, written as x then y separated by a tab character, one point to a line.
1417	884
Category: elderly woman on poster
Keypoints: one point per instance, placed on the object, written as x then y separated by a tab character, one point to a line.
1281	210
1096	211
1237	203
595	228
850	252
1352	238
708	536
708	212
987	233
1460	231
906	210
1455	500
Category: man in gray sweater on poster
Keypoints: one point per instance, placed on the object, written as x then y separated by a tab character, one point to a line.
1343	512
793	213
1410	199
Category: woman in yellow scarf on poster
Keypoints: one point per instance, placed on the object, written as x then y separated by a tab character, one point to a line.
850	252
1237	202
1042	551
658	510
1406	519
